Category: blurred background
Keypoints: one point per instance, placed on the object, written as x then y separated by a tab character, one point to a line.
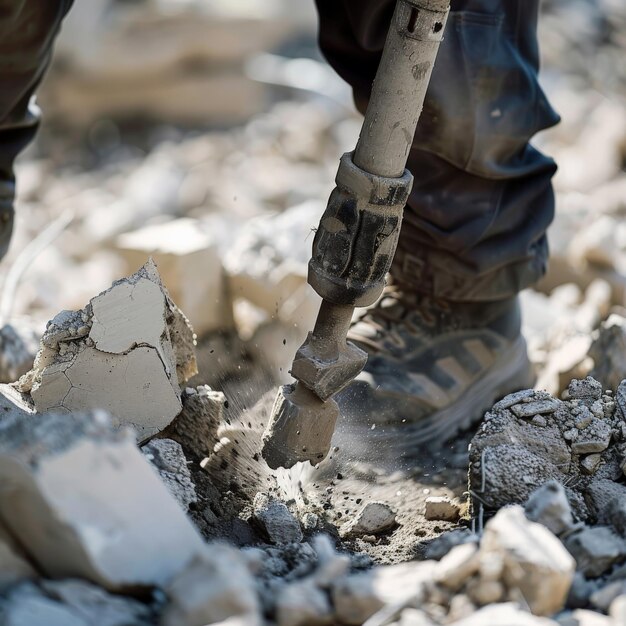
206	134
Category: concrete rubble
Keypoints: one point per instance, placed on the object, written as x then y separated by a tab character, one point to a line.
127	352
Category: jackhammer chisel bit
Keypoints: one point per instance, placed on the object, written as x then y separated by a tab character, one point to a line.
357	236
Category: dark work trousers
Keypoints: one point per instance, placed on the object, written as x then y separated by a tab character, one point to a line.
27	32
482	198
475	225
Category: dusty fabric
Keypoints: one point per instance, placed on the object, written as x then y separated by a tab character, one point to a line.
475	224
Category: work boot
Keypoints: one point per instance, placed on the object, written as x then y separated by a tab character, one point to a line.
434	367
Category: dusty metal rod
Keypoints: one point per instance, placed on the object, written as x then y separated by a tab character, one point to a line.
400	87
331	327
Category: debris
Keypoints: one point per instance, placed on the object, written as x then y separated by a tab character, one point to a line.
508	614
442	508
303	603
215	586
548	505
83	502
373	518
534	560
608	350
168	459
18	346
595	549
457	566
116	354
276	520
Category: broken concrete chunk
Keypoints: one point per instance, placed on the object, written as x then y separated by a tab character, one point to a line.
117	354
189	263
195	428
549	506
168	459
84	503
534	560
374	518
587	389
540	407
96	606
526	395
509	614
276	520
442	508
215	586
596	550
359	596
594	438
14	564
457	566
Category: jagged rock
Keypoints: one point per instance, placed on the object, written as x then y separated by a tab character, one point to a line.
215	586
95	605
595	549
84	503
548	505
594	438
442	508
169	460
457	566
195	428
586	389
125	353
189	263
359	596
373	518
441	545
276	520
534	560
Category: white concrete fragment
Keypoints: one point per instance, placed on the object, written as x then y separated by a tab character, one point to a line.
216	586
188	258
85	503
303	603
126	352
534	560
373	518
457	566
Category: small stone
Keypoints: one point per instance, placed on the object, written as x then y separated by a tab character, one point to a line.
586	389
603	598
442	508
276	520
540	407
595	438
374	518
549	506
535	561
303	603
483	592
591	463
514	398
310	521
539	420
595	549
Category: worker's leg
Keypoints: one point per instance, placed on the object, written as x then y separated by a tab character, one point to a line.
445	344
27	32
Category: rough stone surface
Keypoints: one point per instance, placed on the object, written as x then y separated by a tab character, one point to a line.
85	503
608	352
195	428
276	520
596	549
126	352
442	508
457	566
374	518
534	560
216	586
548	505
303	603
169	460
508	614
